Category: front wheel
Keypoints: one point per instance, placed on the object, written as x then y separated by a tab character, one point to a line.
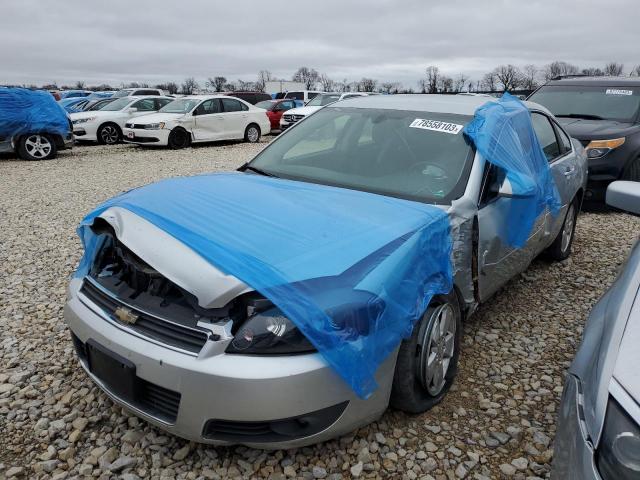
179	138
428	361
109	134
252	133
560	249
632	172
37	146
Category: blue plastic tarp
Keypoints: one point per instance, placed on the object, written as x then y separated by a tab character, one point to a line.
315	251
28	111
503	133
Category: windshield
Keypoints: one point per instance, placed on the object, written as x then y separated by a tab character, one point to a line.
100	104
590	102
183	105
397	153
322	100
118	104
267	104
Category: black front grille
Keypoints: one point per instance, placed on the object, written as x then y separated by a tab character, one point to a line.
152	399
139	126
169	333
136	138
273	430
293	117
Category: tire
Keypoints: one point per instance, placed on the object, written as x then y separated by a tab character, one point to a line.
560	249
632	172
37	146
179	138
415	389
252	133
109	134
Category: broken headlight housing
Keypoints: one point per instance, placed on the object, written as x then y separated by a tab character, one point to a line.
619	448
269	332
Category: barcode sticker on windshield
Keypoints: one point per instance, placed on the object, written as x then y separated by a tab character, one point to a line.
615	91
436	126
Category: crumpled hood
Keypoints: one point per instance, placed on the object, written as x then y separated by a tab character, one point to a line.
310	249
582	129
302	111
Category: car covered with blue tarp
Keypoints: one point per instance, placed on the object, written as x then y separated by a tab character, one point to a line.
294	300
33	124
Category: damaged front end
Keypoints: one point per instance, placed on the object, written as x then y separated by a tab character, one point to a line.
146	303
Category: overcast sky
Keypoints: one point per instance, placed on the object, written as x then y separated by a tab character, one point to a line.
157	41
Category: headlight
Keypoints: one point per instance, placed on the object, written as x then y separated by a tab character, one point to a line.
619	449
599	148
269	332
154	126
84	120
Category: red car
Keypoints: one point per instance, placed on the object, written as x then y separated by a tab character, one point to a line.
275	109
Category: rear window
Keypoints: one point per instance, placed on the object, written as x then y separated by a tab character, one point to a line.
590	102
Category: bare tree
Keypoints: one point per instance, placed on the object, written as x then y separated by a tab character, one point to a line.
432	80
530	77
80	85
558	69
460	82
367	85
592	72
509	77
217	83
489	82
389	87
264	76
328	85
306	75
445	84
229	87
245	86
635	72
170	87
189	86
613	69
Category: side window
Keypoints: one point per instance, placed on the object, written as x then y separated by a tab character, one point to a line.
145	105
230	105
208	107
565	142
295	95
149	92
546	135
161	102
311	95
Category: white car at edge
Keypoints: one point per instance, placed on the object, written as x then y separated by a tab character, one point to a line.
316	103
105	125
199	118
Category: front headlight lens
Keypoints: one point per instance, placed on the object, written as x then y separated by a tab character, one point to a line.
83	120
154	126
619	449
269	333
599	148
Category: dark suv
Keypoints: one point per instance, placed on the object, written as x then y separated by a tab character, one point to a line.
603	113
250	97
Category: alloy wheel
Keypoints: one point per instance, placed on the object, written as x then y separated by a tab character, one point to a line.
109	134
38	146
567	229
253	134
438	347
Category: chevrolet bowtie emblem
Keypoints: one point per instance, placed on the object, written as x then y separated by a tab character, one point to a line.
125	315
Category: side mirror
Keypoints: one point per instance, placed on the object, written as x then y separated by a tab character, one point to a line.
132	110
506	190
624	195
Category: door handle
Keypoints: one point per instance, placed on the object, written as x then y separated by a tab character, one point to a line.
569	171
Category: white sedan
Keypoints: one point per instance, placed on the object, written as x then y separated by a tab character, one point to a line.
105	125
199	118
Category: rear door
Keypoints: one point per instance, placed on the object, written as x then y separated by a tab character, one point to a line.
208	121
564	168
236	118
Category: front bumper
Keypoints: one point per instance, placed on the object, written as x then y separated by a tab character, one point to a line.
86	132
234	393
573	457
139	136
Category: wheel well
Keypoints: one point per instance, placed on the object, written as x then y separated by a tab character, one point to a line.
256	125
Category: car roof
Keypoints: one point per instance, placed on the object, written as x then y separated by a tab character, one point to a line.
455	104
597	81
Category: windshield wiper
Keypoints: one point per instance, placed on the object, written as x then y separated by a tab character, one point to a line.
259	171
584	116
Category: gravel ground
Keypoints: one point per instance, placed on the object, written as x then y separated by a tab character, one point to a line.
498	420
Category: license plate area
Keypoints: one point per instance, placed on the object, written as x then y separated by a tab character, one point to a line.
116	372
131	134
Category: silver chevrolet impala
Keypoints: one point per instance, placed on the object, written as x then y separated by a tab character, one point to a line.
194	351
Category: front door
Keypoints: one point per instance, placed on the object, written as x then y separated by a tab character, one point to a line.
208	121
498	261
